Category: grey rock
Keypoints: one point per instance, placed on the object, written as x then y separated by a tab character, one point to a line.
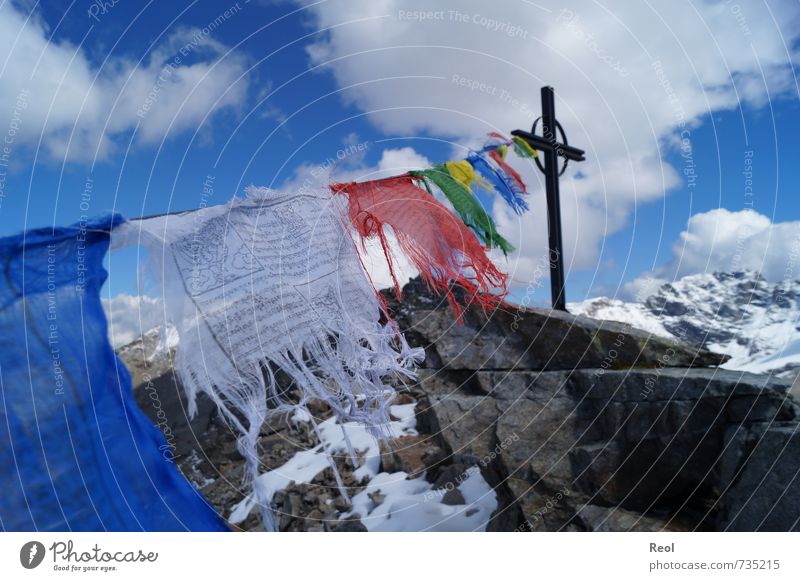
588	425
577	424
532	339
162	400
377	498
608	441
615	519
352	525
453	497
760	474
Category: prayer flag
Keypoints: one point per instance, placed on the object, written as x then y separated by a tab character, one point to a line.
76	453
273	284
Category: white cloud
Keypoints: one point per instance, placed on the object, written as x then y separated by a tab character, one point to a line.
77	108
130	316
629	78
638	289
397	161
348	164
725	241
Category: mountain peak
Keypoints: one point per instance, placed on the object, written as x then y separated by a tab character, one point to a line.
740	314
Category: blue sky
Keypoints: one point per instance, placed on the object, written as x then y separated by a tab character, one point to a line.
264	91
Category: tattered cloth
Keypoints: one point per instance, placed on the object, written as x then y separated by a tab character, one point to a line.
272	283
437	243
76	453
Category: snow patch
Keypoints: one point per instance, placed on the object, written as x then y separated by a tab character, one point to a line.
167	340
408	505
304	466
413	505
632	314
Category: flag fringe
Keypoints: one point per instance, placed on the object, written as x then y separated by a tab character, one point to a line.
502	183
437	243
343	362
498	156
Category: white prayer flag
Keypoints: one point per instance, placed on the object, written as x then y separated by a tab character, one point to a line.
273	282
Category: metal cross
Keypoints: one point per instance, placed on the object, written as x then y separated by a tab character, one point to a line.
553	149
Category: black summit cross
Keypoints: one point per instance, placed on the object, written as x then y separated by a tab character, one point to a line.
553	149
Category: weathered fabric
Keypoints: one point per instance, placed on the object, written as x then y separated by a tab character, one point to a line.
437	243
76	453
464	202
501	182
272	284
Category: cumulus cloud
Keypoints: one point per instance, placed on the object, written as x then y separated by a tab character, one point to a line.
52	91
633	80
131	316
725	241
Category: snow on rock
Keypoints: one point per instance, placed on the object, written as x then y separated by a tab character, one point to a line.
156	345
633	314
408	504
166	340
302	467
412	505
334	438
787	358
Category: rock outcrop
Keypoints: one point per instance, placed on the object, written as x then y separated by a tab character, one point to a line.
577	424
590	425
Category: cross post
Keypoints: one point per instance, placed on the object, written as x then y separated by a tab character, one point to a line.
553	149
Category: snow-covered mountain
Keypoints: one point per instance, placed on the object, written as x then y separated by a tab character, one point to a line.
740	314
153	346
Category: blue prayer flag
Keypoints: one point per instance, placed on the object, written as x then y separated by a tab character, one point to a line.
76	453
500	181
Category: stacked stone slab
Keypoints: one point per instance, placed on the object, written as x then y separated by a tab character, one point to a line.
582	424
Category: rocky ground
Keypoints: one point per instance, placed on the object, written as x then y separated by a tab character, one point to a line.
577	424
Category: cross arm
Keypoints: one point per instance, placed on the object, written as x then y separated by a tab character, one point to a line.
542	144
